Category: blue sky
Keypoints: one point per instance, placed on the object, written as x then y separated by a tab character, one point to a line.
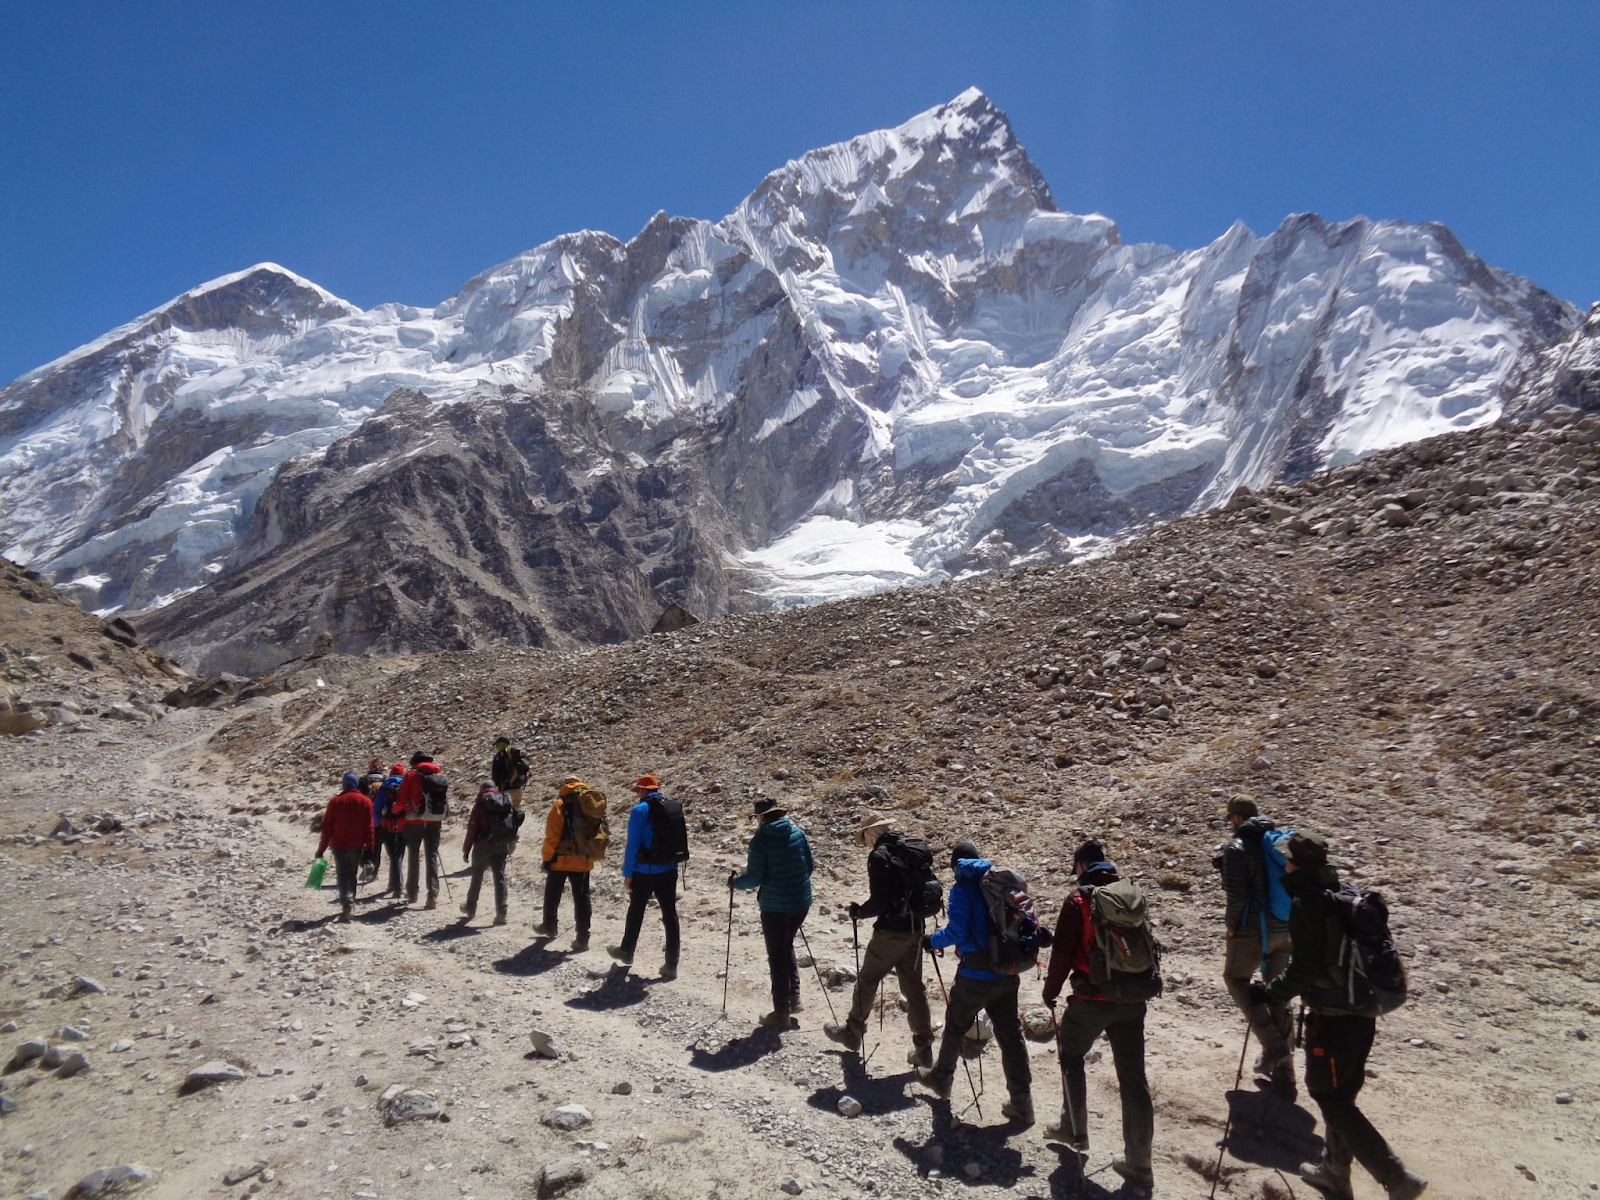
391	151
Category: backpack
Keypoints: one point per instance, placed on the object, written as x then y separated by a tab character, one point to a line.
1015	933
921	897
669	835
1276	901
1124	959
501	821
1375	976
585	832
435	801
383	800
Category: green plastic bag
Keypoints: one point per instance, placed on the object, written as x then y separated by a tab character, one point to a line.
319	868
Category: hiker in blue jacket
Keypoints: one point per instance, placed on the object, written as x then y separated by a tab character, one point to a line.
657	843
977	989
778	869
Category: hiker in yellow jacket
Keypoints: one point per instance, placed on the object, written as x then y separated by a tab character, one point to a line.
568	835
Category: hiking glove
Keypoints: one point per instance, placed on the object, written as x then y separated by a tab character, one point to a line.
855	912
927	943
1258	995
732	876
545	866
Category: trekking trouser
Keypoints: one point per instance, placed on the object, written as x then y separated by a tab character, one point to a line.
1336	1068
663	888
555	882
778	930
998	998
516	797
490	856
1272	1025
346	863
422	841
1123	1024
901	953
393	841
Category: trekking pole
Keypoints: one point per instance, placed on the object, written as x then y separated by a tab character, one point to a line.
1227	1125
727	961
804	941
438	866
945	992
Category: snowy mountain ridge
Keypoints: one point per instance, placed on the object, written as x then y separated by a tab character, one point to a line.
894	361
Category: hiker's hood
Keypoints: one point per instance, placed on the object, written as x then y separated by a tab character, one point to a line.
1255	827
349	792
396	777
427	768
573	788
1096	874
1310	879
970	870
779	828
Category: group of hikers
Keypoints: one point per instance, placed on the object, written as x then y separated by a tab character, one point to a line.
1289	920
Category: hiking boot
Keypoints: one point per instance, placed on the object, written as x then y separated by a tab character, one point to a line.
1061	1131
1282	1081
1019	1109
541	930
1271	1062
344	913
625	957
1141	1180
844	1035
433	900
1333	1184
467	912
777	1020
499	918
411	897
580	943
1407	1187
669	971
922	1056
939	1087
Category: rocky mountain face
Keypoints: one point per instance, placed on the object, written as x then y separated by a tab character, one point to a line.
894	362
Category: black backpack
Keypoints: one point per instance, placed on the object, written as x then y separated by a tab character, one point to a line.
921	896
1016	934
435	795
501	821
1375	976
669	834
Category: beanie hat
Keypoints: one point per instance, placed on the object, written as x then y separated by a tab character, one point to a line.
502	740
1090	852
1308	849
962	850
1243	806
351	781
397	769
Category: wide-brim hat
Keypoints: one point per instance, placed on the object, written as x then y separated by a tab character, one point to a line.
873	821
649	782
768	807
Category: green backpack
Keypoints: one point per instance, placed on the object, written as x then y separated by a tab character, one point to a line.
1124	957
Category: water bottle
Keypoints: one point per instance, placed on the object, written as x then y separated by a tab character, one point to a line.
319	868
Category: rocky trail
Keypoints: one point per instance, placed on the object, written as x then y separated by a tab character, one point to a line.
1400	654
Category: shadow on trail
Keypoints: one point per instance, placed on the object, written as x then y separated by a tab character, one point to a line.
960	1144
878	1094
617	990
532	959
297	925
1069	1182
1271	1132
738	1052
381	916
450	933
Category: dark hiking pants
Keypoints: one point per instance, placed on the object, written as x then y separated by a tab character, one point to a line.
663	888
1336	1067
422	842
555	882
491	857
998	998
393	843
778	930
1271	1024
1123	1024
346	863
902	954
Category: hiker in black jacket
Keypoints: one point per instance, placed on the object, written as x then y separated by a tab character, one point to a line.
896	945
509	770
1337	1042
1244	886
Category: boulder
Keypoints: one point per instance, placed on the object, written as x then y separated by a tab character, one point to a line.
567	1117
558	1176
29	1049
408	1104
111	1181
544	1044
209	1074
1038	1024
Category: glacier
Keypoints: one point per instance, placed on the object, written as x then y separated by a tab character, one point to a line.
893	357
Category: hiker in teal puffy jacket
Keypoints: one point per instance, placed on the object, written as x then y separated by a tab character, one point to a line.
778	869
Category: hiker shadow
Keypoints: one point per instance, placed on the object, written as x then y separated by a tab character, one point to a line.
617	990
884	1094
1069	1182
381	916
737	1052
1271	1132
450	933
298	925
953	1144
532	959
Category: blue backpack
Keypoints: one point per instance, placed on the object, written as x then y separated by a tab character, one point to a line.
1273	844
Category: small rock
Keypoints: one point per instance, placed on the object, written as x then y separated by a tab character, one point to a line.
122	1045
83	984
1507	868
1038	1025
972	1170
1171	620
622	1089
71	1033
544	1044
72	1063
111	1181
849	1106
7	1106
558	1176
1563	1097
214	1072
28	1050
240	1174
407	1104
567	1117
790	1186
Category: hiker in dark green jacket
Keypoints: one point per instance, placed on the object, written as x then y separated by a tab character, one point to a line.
778	869
1337	1042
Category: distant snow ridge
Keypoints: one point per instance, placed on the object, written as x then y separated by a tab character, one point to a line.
895	361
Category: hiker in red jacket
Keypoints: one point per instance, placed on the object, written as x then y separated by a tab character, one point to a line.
422	822
347	827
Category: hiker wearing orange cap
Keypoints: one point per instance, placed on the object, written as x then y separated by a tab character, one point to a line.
658	840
